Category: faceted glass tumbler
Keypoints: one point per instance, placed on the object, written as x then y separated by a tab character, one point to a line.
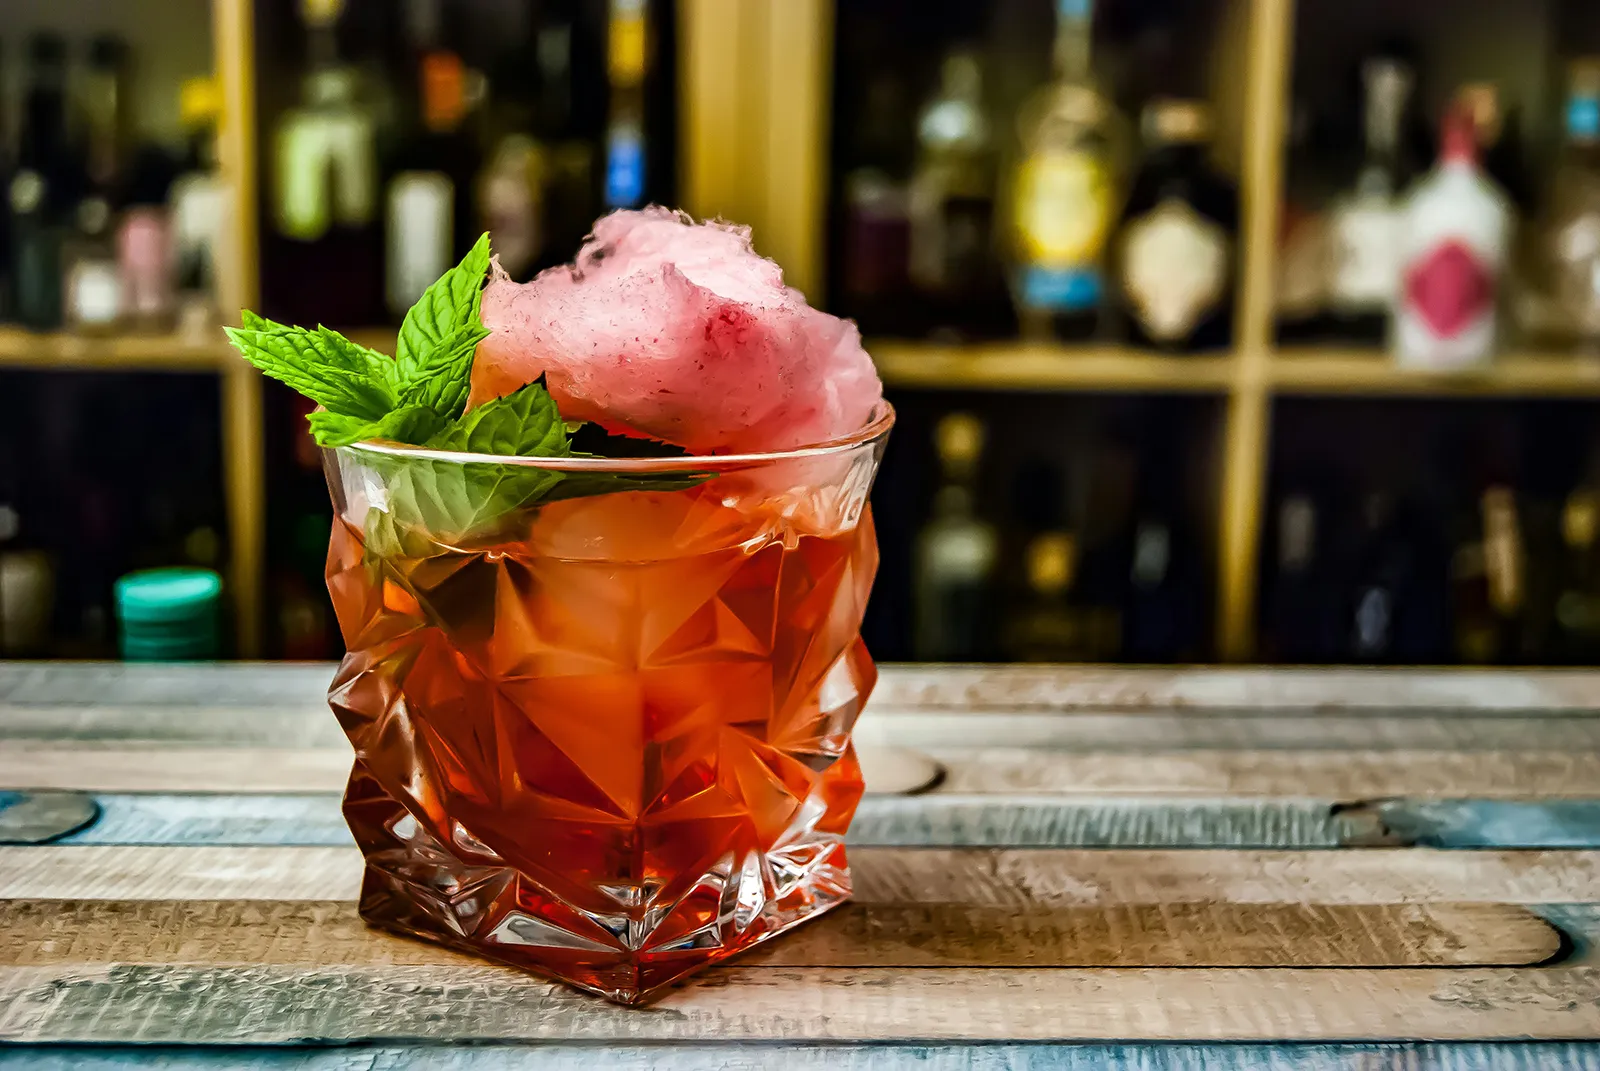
605	737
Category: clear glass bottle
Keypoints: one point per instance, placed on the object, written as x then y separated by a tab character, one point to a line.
1364	225
1065	191
956	554
627	54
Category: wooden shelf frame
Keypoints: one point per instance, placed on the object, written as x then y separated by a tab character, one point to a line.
736	39
754	86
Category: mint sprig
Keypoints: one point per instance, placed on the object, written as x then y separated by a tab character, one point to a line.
418	398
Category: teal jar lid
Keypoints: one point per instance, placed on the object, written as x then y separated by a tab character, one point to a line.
173	594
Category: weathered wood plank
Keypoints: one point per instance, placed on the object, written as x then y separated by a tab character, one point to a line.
903	686
1321	774
1413	1056
1019	878
41	817
949	821
276	1005
1339	775
307	723
860	934
958	821
1014	687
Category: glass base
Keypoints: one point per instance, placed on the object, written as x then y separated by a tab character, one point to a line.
416	886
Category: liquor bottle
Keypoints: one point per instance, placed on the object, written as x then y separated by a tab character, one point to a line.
144	243
323	261
429	200
1065	190
1563	306
627	56
1364	224
1161	615
1177	235
92	289
1051	627
104	100
1453	240
952	188
1301	622
1394	612
874	271
1577	606
955	555
198	206
511	200
40	188
1487	582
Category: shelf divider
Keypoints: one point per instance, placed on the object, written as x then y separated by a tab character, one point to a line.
1246	432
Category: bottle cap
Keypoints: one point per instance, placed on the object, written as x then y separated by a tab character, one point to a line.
444	98
1177	122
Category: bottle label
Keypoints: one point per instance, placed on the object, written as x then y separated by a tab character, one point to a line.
624	166
1583	118
1449	295
1366	256
96	292
1063	209
1060	289
1174	268
513	211
421	222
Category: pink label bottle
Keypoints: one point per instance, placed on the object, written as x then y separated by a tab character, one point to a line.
1454	231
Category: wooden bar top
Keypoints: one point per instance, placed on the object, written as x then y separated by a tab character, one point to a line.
1126	868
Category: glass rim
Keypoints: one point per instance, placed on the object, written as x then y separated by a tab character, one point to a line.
883	417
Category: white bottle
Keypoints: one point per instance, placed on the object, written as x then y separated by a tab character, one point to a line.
1454	232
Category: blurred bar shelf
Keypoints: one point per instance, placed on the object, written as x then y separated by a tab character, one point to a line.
1045	367
1372	372
58	350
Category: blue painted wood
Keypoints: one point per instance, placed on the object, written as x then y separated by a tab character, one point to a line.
960	821
1563	823
1534	1056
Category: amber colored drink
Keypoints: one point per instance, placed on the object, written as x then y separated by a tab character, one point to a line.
611	744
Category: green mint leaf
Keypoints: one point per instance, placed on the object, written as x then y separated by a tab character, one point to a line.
430	367
524	423
411	424
323	365
445	388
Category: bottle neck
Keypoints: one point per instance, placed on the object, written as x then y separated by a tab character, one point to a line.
1074	34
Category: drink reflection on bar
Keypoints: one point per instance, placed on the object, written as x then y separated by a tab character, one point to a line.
1039	212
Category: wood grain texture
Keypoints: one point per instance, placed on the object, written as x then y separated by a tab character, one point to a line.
1023	879
902	687
469	1003
800	1056
1338	775
314	819
861	934
950	821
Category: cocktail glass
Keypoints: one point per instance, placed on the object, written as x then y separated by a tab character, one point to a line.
605	738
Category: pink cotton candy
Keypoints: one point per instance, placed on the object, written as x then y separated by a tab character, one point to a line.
678	331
